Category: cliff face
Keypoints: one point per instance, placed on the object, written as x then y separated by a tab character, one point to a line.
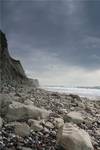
11	70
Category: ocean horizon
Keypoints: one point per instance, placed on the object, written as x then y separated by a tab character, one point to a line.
92	93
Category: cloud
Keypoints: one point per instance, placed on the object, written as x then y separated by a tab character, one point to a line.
47	35
64	75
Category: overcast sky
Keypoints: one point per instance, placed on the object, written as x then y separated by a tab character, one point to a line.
57	41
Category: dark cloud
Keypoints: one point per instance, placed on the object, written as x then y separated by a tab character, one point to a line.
68	28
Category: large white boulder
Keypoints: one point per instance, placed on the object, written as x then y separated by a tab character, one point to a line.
71	137
74	117
18	111
22	129
37	113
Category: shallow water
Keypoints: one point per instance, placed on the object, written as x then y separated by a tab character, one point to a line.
83	92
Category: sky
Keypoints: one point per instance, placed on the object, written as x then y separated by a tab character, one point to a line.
57	41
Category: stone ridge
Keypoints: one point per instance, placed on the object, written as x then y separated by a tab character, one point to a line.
3	40
11	70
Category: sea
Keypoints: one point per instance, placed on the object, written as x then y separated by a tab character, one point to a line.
91	93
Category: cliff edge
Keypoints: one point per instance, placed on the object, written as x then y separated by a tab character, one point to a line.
11	70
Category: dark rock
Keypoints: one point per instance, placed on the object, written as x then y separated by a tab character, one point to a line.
11	70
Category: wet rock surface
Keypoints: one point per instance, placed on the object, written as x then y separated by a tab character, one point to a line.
41	132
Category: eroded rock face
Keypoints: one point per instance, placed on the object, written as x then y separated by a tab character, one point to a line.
73	138
11	70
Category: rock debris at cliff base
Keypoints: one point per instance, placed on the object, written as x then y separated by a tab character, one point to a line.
33	118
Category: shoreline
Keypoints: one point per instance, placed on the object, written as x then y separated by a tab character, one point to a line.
77	91
32	102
